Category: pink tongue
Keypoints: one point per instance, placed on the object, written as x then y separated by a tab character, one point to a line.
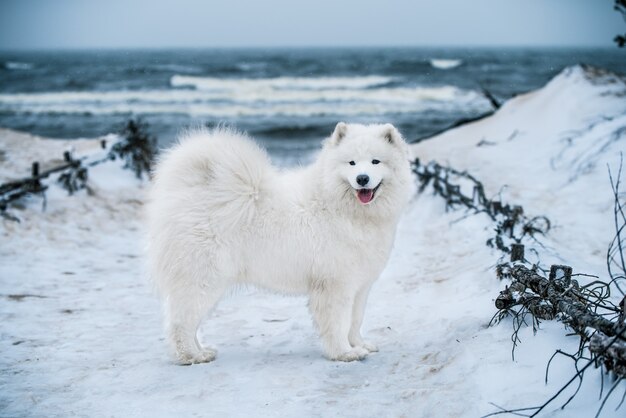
365	195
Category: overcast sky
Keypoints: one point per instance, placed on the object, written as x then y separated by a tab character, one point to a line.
45	24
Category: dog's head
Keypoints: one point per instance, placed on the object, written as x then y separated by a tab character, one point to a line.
366	159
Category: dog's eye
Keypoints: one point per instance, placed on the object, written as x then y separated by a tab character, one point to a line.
352	163
375	162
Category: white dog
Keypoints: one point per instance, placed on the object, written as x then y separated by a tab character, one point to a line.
221	215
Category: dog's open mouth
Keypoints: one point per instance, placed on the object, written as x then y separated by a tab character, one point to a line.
365	196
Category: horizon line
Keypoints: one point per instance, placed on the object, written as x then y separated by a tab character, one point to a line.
312	46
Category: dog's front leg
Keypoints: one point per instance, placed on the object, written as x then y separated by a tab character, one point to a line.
331	307
358	310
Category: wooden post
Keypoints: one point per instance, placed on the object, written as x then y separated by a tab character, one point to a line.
67	156
477	195
517	252
562	274
35	169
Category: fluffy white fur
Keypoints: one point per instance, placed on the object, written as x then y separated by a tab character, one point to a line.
221	215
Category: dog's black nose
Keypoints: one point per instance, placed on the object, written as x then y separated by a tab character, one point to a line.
362	179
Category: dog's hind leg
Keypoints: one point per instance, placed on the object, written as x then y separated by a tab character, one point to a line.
184	312
332	312
358	310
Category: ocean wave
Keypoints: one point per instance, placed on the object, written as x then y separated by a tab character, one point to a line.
256	101
445	64
175	96
252	66
179	68
15	65
364	109
239	110
279	83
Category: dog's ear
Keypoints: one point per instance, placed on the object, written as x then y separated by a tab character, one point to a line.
391	134
339	133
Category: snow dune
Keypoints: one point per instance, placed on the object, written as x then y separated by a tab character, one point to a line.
550	149
81	332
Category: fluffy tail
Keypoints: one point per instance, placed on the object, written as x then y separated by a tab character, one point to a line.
213	178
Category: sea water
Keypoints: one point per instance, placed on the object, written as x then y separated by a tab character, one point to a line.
289	99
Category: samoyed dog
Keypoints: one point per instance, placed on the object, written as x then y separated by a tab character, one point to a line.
220	215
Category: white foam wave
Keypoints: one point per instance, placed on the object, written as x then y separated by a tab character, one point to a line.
243	102
386	95
14	65
445	64
279	83
209	110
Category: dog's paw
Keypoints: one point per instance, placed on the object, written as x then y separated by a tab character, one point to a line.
204	356
356	353
358	342
372	348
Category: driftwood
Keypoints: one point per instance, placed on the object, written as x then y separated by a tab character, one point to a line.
587	309
511	224
612	353
560	296
137	148
582	308
495	103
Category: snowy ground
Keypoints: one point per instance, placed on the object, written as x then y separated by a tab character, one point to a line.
80	331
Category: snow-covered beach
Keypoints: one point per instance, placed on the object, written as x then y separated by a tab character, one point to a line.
81	331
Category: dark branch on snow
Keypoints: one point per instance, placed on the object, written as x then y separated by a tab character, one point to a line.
531	297
137	148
